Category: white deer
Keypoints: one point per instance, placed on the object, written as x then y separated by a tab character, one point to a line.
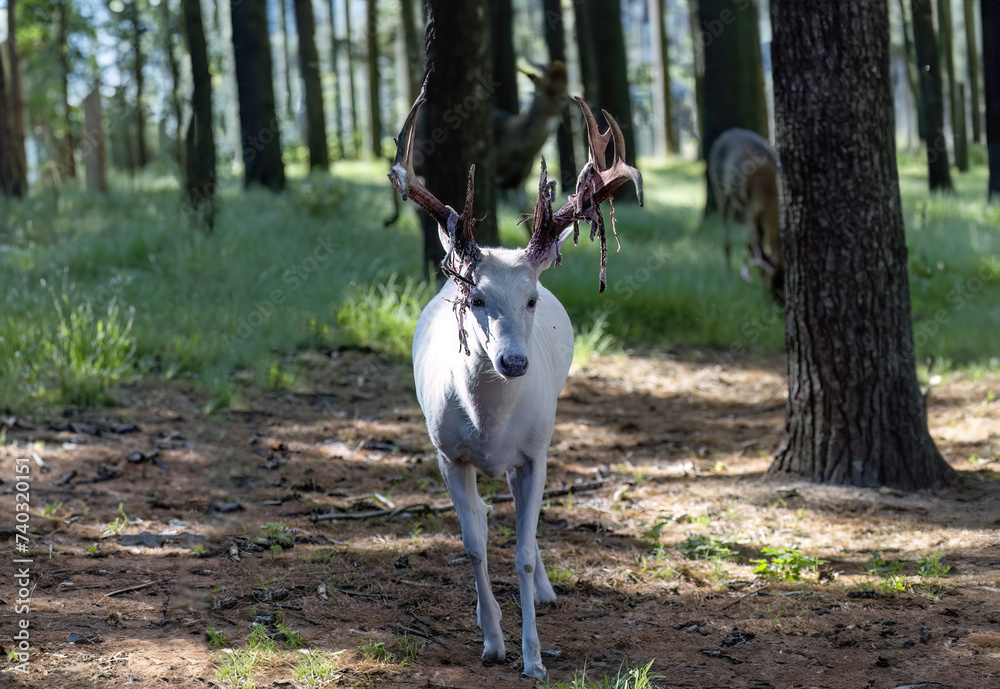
491	406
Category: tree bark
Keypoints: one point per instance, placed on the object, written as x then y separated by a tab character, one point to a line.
286	60
586	51
855	412
175	78
931	99
991	86
973	64
911	70
411	43
956	109
555	39
139	64
95	160
374	84
16	101
698	64
734	72
305	29
12	184
335	69
458	116
612	77
663	116
504	59
68	146
199	155
260	131
355	127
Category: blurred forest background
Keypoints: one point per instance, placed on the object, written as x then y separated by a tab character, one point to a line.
197	188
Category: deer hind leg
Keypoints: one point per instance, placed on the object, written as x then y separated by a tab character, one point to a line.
527	483
460	477
726	209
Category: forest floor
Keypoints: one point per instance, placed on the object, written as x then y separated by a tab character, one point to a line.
209	518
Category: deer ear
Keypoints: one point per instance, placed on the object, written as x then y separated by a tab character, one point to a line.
551	254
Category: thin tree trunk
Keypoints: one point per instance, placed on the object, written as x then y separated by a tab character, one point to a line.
139	64
698	62
932	102
663	116
504	59
458	51
175	78
973	63
355	127
305	29
68	146
911	70
961	135
411	43
11	182
956	109
16	96
94	151
734	74
991	86
335	69
555	39
612	76
855	412
286	60
586	51
199	156
260	131
374	109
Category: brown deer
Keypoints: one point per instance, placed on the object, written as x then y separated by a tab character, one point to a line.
743	170
519	138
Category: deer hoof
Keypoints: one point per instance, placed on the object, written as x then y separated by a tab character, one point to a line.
494	655
534	670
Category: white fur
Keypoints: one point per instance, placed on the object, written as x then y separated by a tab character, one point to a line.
480	419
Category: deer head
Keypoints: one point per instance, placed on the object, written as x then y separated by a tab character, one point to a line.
500	286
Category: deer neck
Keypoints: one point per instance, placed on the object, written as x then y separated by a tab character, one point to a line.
488	399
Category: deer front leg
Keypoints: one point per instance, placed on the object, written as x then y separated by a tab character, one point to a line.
460	478
527	483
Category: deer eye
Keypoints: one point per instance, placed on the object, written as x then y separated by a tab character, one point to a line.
478	301
532	302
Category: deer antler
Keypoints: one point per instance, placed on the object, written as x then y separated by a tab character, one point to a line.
464	254
597	182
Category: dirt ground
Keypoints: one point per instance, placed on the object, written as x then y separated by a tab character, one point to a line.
657	450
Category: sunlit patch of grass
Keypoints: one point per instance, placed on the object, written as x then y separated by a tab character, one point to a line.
238	668
559	576
383	315
375	652
592	341
217	639
627	677
315	669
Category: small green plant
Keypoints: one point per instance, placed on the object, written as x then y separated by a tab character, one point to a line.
51	510
409	647
930	566
315	669
561	577
698	547
784	563
592	342
259	640
237	668
93	551
217	639
375	652
653	532
116	527
627	677
291	638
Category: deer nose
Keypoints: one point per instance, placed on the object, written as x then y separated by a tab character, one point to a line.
513	365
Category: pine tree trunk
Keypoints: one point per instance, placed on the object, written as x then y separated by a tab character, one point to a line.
931	99
956	109
411	43
16	102
991	87
504	59
305	29
734	72
199	155
458	53
68	146
175	78
374	84
355	125
260	131
663	116
555	39
139	64
286	60
911	70
335	69
612	77
855	412
973	63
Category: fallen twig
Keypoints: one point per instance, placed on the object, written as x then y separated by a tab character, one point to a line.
133	588
437	509
416	632
743	597
358	593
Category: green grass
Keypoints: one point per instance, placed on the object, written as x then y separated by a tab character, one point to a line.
315	669
627	677
100	289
